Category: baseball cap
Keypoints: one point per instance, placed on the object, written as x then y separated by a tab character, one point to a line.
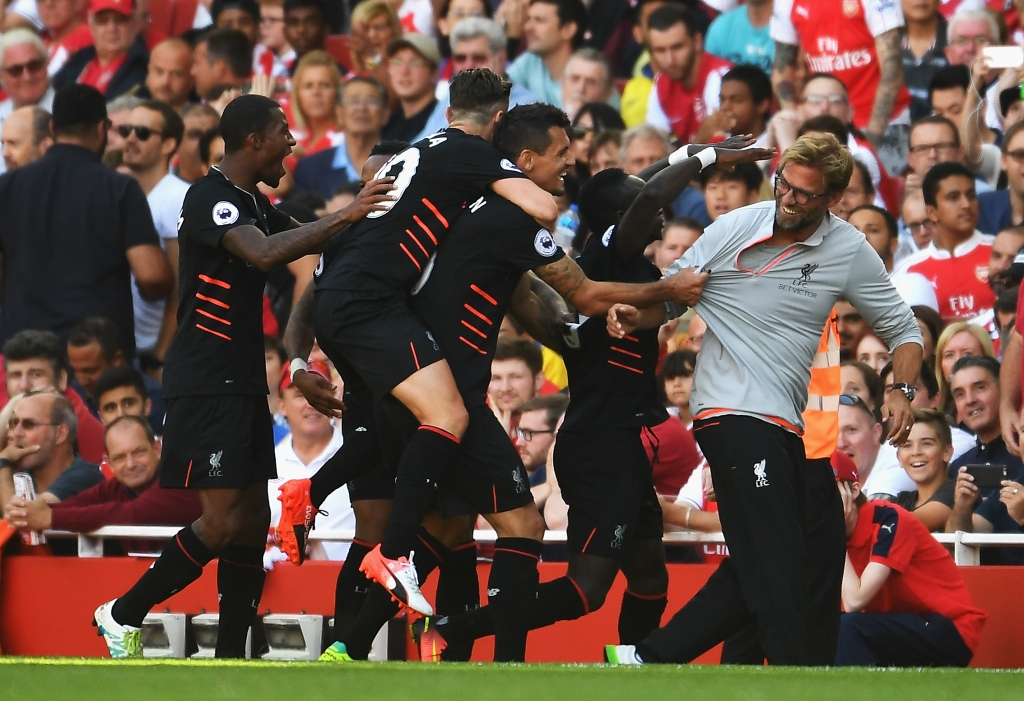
422	45
125	7
844	467
316	367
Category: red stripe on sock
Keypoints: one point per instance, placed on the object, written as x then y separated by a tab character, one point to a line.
428	546
439	431
464	546
586	604
645	597
365	544
520	552
241	564
187	553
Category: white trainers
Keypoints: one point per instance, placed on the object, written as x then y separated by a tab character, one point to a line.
621	655
123	642
398	577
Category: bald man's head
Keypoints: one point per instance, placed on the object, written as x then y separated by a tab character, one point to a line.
170	72
25	136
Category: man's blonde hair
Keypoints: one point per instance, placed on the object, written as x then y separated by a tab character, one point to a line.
824	153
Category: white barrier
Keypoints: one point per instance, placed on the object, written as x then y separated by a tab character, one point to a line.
966	546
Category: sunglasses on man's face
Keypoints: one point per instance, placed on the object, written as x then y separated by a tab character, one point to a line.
142	132
33	66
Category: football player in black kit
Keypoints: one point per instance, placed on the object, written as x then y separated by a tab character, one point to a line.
218	429
603	470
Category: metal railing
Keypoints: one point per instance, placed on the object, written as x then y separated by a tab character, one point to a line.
966	546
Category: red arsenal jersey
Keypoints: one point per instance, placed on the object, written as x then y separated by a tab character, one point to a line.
838	37
924	578
681	111
960	280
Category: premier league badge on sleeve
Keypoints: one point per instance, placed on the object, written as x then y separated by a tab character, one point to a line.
544	244
224	213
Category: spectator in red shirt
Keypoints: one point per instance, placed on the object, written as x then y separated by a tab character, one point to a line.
65	32
687	89
116	62
132	496
906	603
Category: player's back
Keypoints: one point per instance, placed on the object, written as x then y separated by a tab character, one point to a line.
435	179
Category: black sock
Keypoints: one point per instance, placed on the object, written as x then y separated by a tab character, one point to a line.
639	615
240	577
351	589
512	590
429	554
558	600
458	591
359	454
180	564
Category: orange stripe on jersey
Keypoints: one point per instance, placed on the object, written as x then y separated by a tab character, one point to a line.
774	419
411	256
444	222
214	281
626	352
625	367
215	333
214	317
494	492
475	312
187	475
484	295
425	228
415	359
413	237
472	345
584	549
472	328
211	300
632	338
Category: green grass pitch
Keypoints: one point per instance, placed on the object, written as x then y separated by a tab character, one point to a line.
48	679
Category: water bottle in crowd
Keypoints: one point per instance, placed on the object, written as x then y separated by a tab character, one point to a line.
565	229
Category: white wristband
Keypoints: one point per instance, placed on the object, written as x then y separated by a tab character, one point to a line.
679	155
296	365
707	157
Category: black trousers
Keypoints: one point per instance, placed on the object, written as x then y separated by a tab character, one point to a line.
901	640
782	519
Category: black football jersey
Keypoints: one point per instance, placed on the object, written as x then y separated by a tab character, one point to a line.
218	348
470	285
435	179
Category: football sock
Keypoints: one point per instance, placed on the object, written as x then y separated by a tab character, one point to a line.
359	454
240	578
458	590
180	564
512	590
640	615
428	452
351	589
558	600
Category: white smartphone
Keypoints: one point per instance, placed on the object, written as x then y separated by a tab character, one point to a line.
1004	56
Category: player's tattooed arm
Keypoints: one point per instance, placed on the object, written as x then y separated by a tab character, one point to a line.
536	315
783	74
298	335
267	252
889	47
596	298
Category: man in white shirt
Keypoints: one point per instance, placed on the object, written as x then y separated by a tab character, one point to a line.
152	135
313	440
23	74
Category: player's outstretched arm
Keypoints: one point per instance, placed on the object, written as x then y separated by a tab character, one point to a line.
596	298
536	316
530	198
624	319
268	252
735	141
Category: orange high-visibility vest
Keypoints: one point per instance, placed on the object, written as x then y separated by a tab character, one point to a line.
821	417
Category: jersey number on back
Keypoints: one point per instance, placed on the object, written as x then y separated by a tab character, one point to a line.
409	160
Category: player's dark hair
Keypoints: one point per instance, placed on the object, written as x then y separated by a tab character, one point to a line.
205	141
77	109
230	46
680	363
756	80
890	221
937	119
976	361
34	343
389	147
248	114
949	77
477	94
249	6
671	14
553	404
527	127
606	197
139	421
828	124
121	376
520	349
747	173
570	11
98	330
939	172
174	127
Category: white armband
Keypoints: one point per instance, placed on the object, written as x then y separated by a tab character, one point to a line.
707	157
296	365
679	155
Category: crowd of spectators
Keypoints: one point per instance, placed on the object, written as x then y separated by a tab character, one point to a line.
91	199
